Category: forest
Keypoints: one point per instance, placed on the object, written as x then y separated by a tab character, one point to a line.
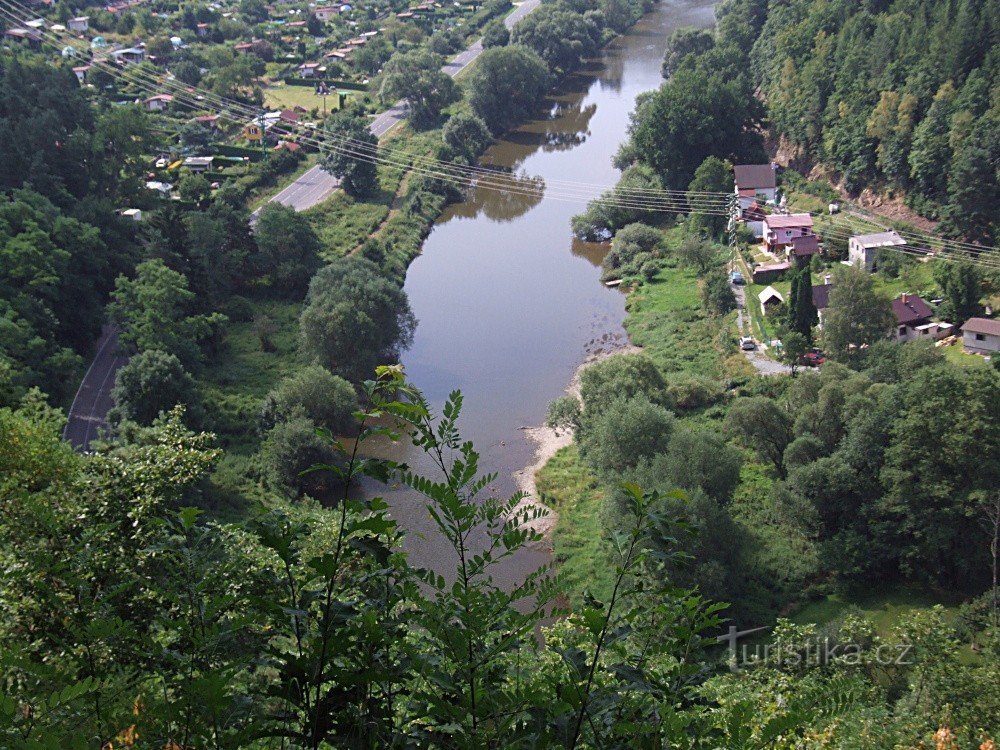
208	575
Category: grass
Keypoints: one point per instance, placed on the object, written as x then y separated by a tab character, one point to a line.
957	356
885	609
283	96
665	317
342	223
568	486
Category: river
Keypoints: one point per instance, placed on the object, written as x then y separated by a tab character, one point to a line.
508	303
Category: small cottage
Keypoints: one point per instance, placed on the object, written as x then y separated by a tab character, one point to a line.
157	103
78	24
981	336
766	273
770	299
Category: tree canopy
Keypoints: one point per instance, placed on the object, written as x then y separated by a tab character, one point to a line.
507	85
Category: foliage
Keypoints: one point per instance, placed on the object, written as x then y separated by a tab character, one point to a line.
329	401
559	35
606	216
287	250
712	176
152	383
683	42
857	315
717	295
466	135
417	77
354	318
357	173
495	34
507	85
961	289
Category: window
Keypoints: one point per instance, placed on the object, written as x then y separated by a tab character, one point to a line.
980	337
902	330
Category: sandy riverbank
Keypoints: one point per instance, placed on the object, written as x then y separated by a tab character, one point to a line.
549	441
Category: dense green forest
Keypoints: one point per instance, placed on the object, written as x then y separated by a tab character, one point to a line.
159	593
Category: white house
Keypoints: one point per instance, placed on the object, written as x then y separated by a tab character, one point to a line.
981	336
129	56
769	299
134	214
862	248
81	73
781	230
755	182
80	23
327	12
308	70
915	320
199	163
157	103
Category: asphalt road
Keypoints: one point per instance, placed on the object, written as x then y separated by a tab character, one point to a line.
89	412
316	185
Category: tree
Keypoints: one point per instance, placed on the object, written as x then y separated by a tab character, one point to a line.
973	186
622	376
354	319
152	310
960	286
559	35
760	424
288	249
416	76
506	86
152	383
495	34
712	176
353	165
717	295
857	315
802	314
606	215
683	42
625	431
564	413
466	135
291	448
793	346
327	400
694	115
194	188
698	253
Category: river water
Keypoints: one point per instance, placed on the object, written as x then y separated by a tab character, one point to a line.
508	303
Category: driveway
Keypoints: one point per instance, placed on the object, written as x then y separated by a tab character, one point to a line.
761	362
316	185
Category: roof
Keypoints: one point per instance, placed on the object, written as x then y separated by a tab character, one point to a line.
784	266
982	325
791	221
879	239
750	176
289	115
910	308
806	245
206	118
159	98
769	294
821	296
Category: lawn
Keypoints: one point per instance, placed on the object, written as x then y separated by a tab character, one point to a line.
342	223
665	317
282	96
566	485
884	608
956	355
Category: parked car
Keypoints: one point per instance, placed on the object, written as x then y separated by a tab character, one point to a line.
812	358
747	344
737	278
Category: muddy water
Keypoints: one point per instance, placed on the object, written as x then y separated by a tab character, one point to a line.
508	303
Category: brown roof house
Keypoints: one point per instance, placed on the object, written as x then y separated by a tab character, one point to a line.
755	182
821	297
914	320
803	249
981	336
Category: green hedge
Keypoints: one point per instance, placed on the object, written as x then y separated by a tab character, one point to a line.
331	82
225	149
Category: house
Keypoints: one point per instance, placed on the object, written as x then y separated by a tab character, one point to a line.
201	29
770	298
327	12
753	216
755	182
287	146
211	121
289	116
30	37
134	214
199	163
308	70
821	298
78	24
780	229
243	47
81	73
129	56
862	248
914	320
981	336
765	274
157	103
803	249
163	188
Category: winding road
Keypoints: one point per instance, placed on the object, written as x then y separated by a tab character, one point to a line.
315	185
89	412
